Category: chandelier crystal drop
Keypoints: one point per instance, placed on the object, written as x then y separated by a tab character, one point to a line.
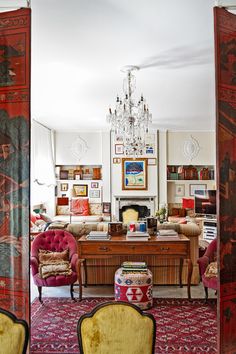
130	119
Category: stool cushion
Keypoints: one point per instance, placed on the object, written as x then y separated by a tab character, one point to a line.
134	287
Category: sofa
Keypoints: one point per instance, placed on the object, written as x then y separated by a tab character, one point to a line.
81	210
164	271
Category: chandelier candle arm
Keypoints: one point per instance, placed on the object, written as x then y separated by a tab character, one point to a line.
130	119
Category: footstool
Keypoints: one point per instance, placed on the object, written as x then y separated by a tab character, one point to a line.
134	287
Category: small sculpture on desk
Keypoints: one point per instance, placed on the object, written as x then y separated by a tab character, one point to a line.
115	228
151	225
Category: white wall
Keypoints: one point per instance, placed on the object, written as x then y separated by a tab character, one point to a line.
78	148
205	140
106	167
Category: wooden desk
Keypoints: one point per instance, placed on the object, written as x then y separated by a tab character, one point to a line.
166	247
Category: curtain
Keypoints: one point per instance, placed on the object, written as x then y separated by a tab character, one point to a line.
42	162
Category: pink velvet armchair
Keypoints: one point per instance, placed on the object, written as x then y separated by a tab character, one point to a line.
208	257
55	241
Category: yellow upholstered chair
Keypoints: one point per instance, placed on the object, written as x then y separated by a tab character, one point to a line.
117	328
14	334
129	215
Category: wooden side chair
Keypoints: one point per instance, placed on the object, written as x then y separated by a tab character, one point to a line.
14	333
117	328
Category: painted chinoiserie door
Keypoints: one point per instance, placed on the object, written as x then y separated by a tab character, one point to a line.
15	27
225	53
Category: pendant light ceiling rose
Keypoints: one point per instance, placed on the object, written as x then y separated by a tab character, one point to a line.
129	68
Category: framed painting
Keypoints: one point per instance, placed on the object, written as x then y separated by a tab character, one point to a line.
64	187
94	185
119	149
81	190
94	193
116	160
134	174
179	190
63	174
194	187
106	207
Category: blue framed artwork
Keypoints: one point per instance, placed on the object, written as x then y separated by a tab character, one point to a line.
134	174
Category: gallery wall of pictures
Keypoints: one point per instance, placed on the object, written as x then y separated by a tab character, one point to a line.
133	174
150	149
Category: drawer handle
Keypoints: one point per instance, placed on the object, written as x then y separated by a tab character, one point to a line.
165	248
106	249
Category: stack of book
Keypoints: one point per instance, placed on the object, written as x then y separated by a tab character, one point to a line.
98	235
168	233
137	236
134	267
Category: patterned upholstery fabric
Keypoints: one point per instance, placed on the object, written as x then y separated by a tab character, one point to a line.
129	215
116	327
135	288
14	334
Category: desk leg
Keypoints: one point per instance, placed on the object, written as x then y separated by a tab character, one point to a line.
85	273
180	272
190	270
80	280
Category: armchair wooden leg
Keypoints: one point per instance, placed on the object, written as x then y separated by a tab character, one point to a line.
72	291
40	294
206	293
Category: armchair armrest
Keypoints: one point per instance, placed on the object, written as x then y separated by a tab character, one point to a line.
73	262
34	265
203	263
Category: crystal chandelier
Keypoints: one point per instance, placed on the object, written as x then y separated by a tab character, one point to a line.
130	119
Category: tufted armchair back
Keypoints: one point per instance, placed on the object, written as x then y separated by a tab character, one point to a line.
55	241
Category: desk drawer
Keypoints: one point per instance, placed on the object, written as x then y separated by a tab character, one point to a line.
165	248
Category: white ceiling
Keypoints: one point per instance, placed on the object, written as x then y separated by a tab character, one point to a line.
79	47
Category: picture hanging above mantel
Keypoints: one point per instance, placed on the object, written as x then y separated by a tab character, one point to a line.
134	174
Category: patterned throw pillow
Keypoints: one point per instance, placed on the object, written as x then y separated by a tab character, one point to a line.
53	257
80	206
51	269
211	270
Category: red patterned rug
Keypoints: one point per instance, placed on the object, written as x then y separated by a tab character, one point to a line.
183	326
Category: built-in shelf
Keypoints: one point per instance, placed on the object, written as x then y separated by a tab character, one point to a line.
70	183
183	180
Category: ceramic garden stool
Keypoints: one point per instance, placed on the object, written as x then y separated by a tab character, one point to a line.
135	288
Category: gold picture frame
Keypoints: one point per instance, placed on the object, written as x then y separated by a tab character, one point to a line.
81	190
134	174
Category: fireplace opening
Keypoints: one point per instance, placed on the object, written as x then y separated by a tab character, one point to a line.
142	210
